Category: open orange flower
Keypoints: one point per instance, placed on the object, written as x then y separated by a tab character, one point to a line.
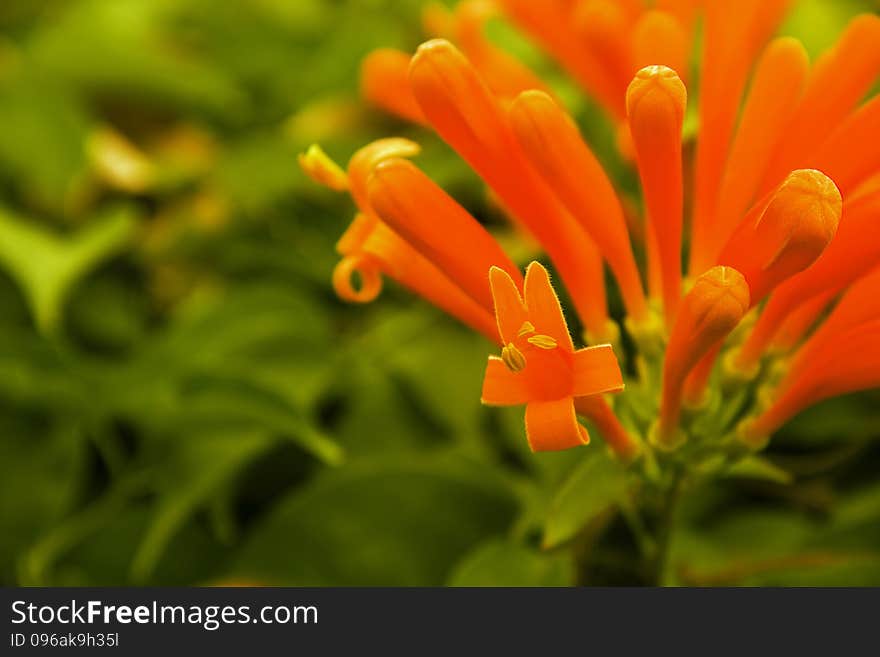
779	221
539	366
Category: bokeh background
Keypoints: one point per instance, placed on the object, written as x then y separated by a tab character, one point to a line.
184	401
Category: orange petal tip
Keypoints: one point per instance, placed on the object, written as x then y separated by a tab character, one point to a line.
435	49
658	88
812	200
720	299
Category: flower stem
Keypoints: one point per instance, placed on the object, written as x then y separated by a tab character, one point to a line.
660	564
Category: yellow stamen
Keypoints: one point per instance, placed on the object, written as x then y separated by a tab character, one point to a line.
525	329
542	342
513	358
318	166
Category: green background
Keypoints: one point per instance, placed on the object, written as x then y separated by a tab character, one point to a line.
183	400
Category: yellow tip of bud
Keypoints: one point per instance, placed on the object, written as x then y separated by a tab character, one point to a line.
513	358
656	89
318	166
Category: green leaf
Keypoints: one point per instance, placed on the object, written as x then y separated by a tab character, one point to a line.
503	563
47	265
595	485
45	464
386	523
42	148
200	467
757	467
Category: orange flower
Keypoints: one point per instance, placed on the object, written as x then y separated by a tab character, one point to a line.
551	140
447	235
780	76
549	23
778	238
849	363
709	312
464	112
731	41
539	366
659	37
602	43
860	304
842	356
854	251
840	79
655	105
774	175
370	249
786	233
385	83
799	322
465	25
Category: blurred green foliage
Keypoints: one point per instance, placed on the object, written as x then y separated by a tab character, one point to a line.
183	400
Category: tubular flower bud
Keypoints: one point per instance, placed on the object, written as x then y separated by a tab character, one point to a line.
785	234
837	84
549	23
370	249
854	251
731	41
779	79
709	312
505	75
385	83
604	29
799	322
362	163
552	142
860	304
782	217
429	219
548	373
850	155
660	38
655	105
465	113
848	364
597	411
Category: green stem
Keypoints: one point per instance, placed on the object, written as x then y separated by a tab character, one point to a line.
660	565
636	525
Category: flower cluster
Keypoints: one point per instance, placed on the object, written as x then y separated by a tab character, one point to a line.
775	305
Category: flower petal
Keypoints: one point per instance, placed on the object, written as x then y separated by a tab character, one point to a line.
543	306
552	426
596	371
509	308
501	387
385	83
